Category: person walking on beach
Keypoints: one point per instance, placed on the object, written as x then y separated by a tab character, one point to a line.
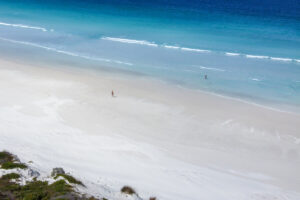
112	93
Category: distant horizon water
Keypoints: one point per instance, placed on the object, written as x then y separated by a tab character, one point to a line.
248	50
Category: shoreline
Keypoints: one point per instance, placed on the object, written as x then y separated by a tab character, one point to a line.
149	122
276	105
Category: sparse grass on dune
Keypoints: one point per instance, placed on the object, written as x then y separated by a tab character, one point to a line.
9	161
6	157
70	179
11	176
38	190
128	190
12	165
34	189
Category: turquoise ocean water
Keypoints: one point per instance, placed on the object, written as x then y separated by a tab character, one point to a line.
248	49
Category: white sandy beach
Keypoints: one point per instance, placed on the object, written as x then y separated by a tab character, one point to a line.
162	140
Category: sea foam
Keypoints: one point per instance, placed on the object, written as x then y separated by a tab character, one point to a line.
130	41
281	59
255	79
210	68
153	44
256	56
24	26
171	47
232	54
195	50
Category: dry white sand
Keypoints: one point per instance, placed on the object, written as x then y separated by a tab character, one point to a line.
163	140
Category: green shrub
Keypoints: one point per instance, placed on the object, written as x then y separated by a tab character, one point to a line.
11	165
128	190
5	157
69	178
11	176
35	190
60	187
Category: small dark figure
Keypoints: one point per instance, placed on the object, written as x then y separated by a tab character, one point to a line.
112	93
205	77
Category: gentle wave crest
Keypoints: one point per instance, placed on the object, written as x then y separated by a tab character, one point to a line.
185	48
263	57
211	68
66	52
130	41
282	59
152	44
24	26
171	47
257	56
232	54
195	50
147	43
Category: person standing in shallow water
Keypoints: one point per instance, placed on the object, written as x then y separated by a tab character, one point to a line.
205	77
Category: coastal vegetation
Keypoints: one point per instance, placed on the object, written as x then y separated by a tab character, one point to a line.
69	178
58	186
33	189
128	190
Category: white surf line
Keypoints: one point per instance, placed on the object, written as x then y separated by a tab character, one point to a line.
209	68
263	57
171	47
195	50
147	43
24	26
153	44
185	48
282	59
130	41
255	79
256	56
65	52
232	54
272	58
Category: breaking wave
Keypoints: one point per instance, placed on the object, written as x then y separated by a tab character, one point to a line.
24	26
256	56
147	43
130	41
195	50
282	59
271	58
152	44
232	54
210	68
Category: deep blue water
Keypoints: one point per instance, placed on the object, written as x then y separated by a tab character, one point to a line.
249	49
